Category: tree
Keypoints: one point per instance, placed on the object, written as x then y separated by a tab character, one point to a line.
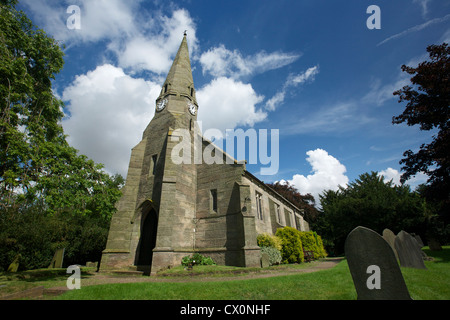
29	113
50	196
372	203
305	202
37	165
428	105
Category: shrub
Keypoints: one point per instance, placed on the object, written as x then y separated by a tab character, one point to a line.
319	241
291	245
268	240
197	259
309	243
274	255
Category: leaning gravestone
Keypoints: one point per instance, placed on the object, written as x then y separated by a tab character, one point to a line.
389	236
57	260
409	253
373	266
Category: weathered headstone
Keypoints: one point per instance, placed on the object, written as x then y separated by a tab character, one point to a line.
14	266
409	253
389	236
373	266
57	260
265	260
418	239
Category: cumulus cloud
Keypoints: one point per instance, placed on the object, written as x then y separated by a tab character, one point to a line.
107	113
327	174
226	103
154	51
394	175
390	175
100	19
220	62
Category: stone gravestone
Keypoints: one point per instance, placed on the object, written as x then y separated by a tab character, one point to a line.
57	260
373	266
409	253
265	260
389	236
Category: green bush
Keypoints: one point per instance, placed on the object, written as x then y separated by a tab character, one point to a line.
309	243
268	240
197	259
36	235
274	255
291	245
319	241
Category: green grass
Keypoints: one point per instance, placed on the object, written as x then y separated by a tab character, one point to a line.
15	282
331	284
319	285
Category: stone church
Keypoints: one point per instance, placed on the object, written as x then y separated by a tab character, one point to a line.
168	210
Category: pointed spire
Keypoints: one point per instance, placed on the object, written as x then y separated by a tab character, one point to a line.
179	80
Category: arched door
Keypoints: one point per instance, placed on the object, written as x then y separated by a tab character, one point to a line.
147	241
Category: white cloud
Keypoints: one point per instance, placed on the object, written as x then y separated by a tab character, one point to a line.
415	29
292	81
154	51
336	118
220	61
109	110
391	174
100	19
226	103
327	174
394	175
424	5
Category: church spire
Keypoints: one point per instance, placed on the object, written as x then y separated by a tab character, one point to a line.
179	80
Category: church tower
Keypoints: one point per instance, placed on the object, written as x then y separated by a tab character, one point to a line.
154	222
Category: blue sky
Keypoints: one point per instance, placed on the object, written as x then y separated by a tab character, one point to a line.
311	69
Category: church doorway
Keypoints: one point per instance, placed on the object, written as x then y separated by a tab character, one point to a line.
147	241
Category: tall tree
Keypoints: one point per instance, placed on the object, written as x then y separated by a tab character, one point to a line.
36	162
369	201
428	105
305	202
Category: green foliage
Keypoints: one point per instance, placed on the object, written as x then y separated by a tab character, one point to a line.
291	245
36	235
268	240
323	252
373	203
35	158
309	243
197	259
274	255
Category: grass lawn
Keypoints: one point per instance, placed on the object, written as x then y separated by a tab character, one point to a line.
331	284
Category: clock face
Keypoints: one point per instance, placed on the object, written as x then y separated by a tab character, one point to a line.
192	108
161	104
